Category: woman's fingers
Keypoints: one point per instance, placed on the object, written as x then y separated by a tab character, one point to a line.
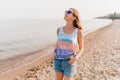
71	61
54	54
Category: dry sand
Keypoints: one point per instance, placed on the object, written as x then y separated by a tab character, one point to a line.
99	61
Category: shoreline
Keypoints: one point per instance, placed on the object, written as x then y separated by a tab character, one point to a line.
39	61
41	47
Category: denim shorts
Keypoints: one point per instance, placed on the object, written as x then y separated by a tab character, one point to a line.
61	65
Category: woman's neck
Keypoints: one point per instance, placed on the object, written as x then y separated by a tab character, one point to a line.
69	25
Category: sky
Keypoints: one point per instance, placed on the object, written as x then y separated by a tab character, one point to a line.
54	9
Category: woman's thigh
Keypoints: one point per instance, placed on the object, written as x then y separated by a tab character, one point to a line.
69	70
59	75
68	78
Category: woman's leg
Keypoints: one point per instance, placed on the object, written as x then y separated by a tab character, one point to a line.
68	78
59	75
70	70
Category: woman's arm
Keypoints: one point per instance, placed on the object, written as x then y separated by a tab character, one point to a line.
57	35
81	47
80	39
54	54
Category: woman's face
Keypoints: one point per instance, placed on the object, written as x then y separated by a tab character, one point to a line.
69	15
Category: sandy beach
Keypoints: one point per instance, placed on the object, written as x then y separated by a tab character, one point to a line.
99	61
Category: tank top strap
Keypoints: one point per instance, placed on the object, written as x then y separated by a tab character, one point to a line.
60	30
75	32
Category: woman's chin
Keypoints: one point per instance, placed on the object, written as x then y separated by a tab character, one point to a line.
65	18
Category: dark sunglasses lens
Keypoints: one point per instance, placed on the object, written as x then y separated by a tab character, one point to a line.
68	12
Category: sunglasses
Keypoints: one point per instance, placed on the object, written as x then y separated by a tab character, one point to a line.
68	12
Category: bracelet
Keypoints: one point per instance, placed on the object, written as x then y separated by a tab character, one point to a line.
74	55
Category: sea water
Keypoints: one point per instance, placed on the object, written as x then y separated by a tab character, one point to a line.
20	36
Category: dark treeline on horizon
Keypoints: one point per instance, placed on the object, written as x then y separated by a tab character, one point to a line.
110	16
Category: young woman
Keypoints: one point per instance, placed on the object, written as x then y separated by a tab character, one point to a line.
69	46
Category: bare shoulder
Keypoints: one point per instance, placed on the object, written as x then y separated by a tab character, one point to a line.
80	33
80	37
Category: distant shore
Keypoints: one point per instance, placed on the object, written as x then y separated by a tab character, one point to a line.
37	64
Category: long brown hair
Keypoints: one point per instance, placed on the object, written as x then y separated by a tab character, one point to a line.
76	22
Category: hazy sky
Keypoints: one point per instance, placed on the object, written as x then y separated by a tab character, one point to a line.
55	8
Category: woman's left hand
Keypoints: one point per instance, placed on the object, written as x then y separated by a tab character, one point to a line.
72	59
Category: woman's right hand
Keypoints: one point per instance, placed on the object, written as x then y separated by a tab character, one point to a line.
54	54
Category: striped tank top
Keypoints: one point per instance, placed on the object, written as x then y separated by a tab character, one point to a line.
66	44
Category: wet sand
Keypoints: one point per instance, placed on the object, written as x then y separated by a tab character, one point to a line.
99	61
